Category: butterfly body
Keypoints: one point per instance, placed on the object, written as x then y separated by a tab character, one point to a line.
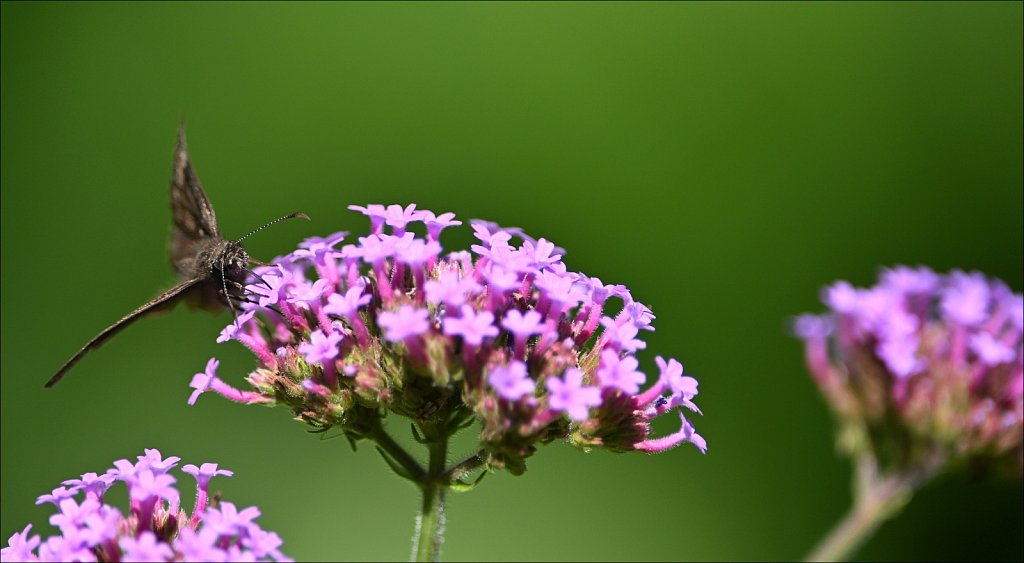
212	270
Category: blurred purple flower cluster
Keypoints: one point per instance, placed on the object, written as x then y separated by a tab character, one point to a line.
156	528
928	364
509	337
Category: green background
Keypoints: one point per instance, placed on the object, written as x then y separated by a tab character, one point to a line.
722	160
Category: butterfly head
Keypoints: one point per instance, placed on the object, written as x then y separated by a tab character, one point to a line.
217	255
233	260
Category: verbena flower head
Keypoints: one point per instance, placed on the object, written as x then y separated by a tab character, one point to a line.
506	335
156	528
922	365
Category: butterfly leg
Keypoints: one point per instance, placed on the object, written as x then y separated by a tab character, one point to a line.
227	296
245	291
247	299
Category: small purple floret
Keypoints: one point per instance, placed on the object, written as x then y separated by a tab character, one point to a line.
202	382
321	347
406	322
511	381
571	396
472	326
620	373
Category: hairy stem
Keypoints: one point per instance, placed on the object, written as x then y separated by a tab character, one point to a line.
430	521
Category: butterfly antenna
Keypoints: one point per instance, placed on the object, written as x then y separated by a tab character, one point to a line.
299	215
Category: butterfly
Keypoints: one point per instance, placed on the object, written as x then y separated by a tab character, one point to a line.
212	269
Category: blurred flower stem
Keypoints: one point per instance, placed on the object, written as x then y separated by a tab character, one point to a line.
877	497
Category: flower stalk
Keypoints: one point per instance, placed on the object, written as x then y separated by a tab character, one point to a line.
877	498
434	486
434	481
430	524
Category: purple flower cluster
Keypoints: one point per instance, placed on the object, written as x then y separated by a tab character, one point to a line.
937	356
509	336
156	528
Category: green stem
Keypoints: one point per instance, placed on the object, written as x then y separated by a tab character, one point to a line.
876	499
396	451
430	524
430	521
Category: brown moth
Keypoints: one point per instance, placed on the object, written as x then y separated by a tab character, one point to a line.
212	270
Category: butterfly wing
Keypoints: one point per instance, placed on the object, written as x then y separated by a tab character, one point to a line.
167	298
194	219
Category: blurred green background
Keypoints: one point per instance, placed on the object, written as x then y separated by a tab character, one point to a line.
722	160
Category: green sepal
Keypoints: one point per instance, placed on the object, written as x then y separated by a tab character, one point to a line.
416	434
460	486
395	466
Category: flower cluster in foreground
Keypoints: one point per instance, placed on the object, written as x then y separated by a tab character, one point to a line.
922	365
156	528
505	335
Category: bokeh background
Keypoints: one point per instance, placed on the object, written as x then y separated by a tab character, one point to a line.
722	160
